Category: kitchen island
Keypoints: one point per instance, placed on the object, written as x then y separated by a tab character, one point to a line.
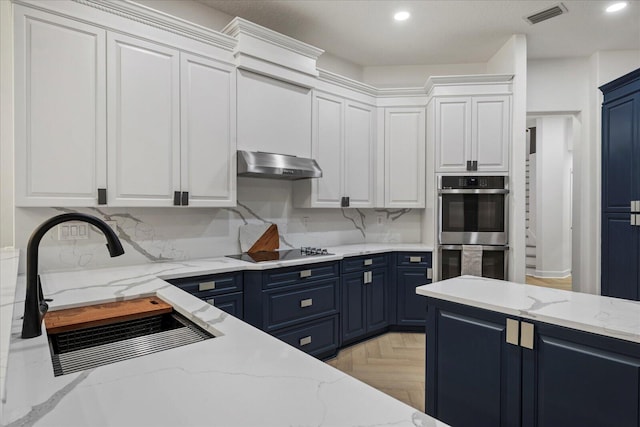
242	377
507	354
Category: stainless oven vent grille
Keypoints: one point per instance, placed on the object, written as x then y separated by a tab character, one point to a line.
549	13
92	347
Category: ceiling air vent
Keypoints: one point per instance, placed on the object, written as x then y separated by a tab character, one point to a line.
549	13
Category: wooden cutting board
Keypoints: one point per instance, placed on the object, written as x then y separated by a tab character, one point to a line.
269	241
104	314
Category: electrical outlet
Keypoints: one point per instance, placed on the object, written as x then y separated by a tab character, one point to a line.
305	221
73	230
380	219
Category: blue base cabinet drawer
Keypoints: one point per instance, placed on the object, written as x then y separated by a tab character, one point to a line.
318	338
303	273
414	259
300	303
367	262
215	284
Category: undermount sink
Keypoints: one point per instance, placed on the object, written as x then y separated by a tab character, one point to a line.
89	347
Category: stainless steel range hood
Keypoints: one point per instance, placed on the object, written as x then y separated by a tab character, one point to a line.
278	166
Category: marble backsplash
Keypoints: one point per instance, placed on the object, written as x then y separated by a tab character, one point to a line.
163	234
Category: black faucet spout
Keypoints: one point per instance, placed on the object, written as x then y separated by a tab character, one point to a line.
35	307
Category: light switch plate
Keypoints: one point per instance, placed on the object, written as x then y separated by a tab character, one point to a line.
73	230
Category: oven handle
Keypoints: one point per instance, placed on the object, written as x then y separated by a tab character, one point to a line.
474	191
484	247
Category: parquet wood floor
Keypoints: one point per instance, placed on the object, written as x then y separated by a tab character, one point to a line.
394	363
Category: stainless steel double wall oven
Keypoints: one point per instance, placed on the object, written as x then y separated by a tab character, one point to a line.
473	210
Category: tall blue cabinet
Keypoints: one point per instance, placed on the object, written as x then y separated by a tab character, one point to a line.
621	187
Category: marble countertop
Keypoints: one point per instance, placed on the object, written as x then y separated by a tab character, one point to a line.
613	317
243	377
8	275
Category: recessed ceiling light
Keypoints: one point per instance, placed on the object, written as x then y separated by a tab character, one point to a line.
617	6
401	16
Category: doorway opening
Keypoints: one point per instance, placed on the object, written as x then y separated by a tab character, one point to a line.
550	198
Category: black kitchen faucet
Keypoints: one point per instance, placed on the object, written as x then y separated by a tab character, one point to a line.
35	306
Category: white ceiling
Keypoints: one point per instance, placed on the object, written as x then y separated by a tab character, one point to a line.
441	31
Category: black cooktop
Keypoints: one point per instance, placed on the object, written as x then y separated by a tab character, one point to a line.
284	255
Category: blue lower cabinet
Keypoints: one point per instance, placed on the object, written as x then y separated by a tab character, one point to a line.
230	303
413	270
558	377
574	378
299	305
319	338
224	290
365	304
473	374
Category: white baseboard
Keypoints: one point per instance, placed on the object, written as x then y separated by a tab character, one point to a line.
552	274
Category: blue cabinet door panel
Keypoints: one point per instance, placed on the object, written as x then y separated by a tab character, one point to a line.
620	154
353	310
377	300
620	255
473	374
572	378
412	308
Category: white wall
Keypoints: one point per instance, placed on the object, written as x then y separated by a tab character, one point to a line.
512	59
341	66
6	125
416	75
557	84
191	11
553	199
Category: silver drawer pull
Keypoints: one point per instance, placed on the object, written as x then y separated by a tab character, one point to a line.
306	302
368	277
305	340
415	259
207	286
305	273
368	261
429	273
210	301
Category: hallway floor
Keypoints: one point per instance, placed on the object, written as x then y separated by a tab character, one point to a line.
394	363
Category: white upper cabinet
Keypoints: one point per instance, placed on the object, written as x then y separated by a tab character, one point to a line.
208	165
404	150
60	135
143	81
359	154
472	122
490	130
453	130
273	115
108	118
343	142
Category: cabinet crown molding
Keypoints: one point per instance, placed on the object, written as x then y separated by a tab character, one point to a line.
339	80
435	82
239	26
145	15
